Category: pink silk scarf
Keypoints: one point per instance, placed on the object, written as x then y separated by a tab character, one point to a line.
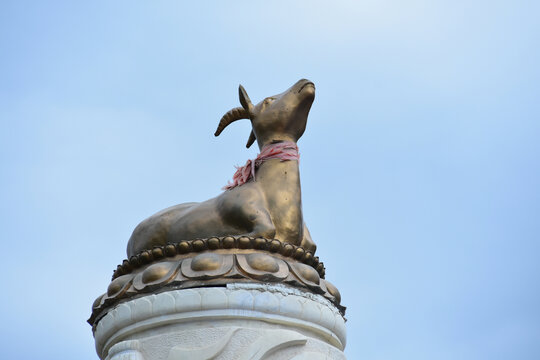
284	151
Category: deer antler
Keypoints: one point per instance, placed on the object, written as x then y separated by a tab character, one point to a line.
231	116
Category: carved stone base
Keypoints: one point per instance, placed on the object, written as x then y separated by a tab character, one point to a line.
238	321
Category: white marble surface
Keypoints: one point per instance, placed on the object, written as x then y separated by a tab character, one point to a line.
240	321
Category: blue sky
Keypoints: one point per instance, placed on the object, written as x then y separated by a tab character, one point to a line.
420	163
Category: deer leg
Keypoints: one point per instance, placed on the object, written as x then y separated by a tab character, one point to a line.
263	226
307	243
245	209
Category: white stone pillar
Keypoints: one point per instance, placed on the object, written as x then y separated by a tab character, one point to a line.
240	321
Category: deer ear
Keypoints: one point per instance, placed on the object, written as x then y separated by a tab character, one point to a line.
244	100
251	139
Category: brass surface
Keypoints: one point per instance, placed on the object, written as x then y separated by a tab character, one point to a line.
240	245
251	260
270	207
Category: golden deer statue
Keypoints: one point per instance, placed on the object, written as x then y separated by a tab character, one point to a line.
265	199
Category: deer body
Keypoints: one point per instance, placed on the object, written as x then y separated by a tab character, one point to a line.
269	207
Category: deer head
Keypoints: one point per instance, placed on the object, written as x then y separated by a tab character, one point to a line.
281	117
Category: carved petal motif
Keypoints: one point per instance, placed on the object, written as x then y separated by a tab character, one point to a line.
207	266
333	291
204	353
306	273
274	340
155	274
217	260
125	350
263	267
119	285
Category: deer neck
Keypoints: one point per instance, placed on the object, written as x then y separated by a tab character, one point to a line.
280	182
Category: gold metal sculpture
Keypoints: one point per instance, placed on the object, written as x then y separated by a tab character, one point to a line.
269	207
253	232
216	261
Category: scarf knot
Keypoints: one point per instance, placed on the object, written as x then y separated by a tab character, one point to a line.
284	151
